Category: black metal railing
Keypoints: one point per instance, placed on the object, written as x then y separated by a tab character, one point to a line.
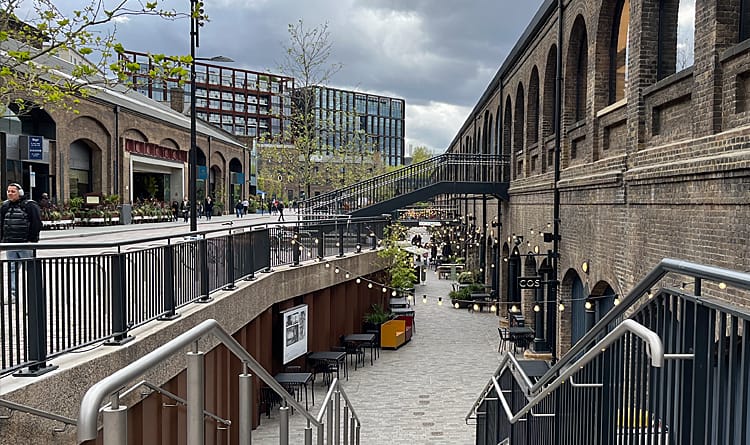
69	296
449	167
698	395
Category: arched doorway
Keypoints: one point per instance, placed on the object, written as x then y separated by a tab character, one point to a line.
578	311
236	180
202	179
81	169
26	155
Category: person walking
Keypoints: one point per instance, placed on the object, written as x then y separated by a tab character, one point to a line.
245	206
280	208
185	209
20	222
175	210
239	208
208	207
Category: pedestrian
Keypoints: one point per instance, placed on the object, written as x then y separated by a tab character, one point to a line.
44	202
245	206
185	209
238	209
208	207
20	222
280	208
270	207
261	206
175	210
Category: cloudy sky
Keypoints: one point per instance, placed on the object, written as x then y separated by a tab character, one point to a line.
438	55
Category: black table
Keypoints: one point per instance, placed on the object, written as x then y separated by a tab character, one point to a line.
520	335
398	302
364	339
332	357
295	380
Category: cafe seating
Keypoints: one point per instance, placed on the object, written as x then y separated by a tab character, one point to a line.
504	339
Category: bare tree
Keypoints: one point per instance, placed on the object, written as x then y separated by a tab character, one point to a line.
316	146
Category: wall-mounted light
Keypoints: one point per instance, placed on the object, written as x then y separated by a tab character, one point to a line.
536	249
722	285
585	266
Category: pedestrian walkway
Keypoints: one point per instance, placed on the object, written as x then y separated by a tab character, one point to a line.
420	393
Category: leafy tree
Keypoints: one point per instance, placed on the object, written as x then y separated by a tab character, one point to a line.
420	153
301	154
33	31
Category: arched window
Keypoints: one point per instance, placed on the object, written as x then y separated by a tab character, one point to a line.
576	72
507	131
618	51
532	129
518	143
744	20
581	80
676	36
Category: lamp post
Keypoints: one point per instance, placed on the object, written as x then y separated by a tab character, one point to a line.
196	21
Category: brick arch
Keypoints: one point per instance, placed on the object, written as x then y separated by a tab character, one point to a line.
611	49
548	103
573	316
670	59
532	113
134	134
169	142
576	72
496	137
507	134
98	139
518	136
602	299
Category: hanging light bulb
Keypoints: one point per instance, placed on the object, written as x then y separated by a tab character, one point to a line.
347	275
385	289
456	305
475	307
561	307
722	285
336	269
617	302
369	285
440	301
328	265
493	308
514	308
424	298
588	305
316	241
537	308
359	280
393	293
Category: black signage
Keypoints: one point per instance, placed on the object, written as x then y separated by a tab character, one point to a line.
529	282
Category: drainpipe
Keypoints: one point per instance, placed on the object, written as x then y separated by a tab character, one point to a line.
116	163
552	306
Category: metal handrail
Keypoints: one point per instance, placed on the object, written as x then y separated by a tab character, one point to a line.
92	400
665	266
36	412
169	394
654	350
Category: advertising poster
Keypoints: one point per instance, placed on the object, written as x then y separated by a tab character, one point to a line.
295	332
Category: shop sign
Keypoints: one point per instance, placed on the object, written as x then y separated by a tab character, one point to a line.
35	148
529	282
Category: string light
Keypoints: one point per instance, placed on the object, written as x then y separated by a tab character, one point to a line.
561	307
617	302
328	265
475	307
722	285
336	269
493	308
347	275
385	289
588	305
424	298
456	305
393	293
514	308
440	301
369	285
359	280
537	308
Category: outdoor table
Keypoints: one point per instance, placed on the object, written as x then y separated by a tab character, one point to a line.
368	339
398	302
332	356
520	334
296	379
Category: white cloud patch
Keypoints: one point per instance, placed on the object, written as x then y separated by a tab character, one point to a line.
434	124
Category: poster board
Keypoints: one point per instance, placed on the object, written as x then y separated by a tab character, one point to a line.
294	335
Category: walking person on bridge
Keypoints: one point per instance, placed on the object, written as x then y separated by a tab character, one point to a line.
20	222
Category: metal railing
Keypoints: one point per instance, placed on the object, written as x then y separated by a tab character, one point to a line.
606	390
70	296
115	414
448	167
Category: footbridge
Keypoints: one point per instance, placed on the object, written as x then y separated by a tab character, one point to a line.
447	174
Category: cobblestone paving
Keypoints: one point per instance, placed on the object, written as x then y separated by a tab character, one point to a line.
420	393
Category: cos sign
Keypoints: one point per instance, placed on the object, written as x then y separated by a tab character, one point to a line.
529	282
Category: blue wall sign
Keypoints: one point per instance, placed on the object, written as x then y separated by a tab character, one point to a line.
35	148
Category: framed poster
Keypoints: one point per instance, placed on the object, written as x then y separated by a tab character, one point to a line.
294	337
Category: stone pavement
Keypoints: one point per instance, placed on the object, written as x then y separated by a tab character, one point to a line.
421	392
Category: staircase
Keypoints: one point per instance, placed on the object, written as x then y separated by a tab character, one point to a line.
450	173
667	367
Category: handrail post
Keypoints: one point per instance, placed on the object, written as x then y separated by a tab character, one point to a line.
249	252
341	240
37	328
321	238
229	249
337	417
169	301
246	408
203	296
321	435
119	316
295	246
284	425
329	420
346	423
115	423
196	398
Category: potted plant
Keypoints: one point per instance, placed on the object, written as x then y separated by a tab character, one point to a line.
376	317
401	274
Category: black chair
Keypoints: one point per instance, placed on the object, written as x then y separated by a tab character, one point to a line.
321	367
354	350
504	339
376	342
269	399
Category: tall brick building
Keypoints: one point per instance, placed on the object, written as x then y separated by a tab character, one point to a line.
654	137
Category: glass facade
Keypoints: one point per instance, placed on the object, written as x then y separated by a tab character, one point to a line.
346	113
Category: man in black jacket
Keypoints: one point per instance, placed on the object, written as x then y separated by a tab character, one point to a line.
20	222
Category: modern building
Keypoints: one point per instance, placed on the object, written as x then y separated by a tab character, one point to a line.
343	114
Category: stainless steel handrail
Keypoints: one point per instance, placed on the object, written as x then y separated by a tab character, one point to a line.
92	400
36	412
654	350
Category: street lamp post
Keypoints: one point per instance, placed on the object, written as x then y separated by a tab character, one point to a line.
196	21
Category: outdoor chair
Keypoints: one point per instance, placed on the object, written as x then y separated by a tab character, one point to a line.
504	339
269	399
355	352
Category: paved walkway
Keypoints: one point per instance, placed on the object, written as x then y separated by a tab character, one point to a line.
421	392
